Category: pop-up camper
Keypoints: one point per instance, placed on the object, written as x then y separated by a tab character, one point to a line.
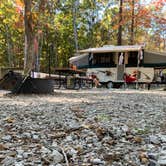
110	63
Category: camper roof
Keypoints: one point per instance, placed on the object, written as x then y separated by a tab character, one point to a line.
78	57
111	48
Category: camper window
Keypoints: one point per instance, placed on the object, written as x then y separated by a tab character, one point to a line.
103	59
132	59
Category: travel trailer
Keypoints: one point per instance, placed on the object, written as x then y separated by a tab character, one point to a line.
110	63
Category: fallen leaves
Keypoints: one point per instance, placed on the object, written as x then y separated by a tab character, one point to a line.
3	147
10	120
138	139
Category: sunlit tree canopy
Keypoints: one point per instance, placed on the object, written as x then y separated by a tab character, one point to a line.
60	27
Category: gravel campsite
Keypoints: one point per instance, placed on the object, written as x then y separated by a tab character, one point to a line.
97	127
82	83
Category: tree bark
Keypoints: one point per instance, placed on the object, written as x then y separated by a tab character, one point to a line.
9	47
29	38
75	7
132	24
119	38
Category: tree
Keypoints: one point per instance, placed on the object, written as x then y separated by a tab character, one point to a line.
132	23
67	25
9	35
75	8
29	38
119	36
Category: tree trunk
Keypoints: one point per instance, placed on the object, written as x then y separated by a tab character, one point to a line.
164	42
75	7
29	38
119	38
132	25
9	47
40	52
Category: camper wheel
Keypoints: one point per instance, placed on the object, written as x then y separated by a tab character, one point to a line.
110	84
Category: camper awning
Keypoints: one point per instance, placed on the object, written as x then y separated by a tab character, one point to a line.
112	49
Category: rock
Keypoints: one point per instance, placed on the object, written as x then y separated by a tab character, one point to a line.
7	138
69	138
45	150
26	135
59	135
35	137
118	133
3	147
150	146
152	163
20	151
154	139
162	162
113	156
10	120
110	141
153	156
37	162
27	154
8	161
73	126
137	139
21	163
144	160
129	137
2	157
12	154
71	152
19	156
163	138
125	128
100	132
57	157
163	153
163	147
54	144
79	149
142	155
97	161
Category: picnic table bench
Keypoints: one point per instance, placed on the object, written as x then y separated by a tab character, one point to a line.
72	79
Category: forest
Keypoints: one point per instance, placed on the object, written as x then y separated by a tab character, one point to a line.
58	28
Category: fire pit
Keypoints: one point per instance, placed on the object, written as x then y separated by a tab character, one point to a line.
35	85
17	83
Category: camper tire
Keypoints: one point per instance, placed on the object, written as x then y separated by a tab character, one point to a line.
109	84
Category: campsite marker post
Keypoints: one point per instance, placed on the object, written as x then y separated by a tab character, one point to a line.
139	58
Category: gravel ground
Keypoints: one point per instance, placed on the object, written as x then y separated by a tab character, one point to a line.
84	128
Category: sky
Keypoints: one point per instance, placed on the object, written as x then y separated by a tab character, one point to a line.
146	1
149	1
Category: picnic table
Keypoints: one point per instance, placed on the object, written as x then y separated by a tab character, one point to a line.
72	79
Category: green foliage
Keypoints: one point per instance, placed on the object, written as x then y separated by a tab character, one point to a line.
11	37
